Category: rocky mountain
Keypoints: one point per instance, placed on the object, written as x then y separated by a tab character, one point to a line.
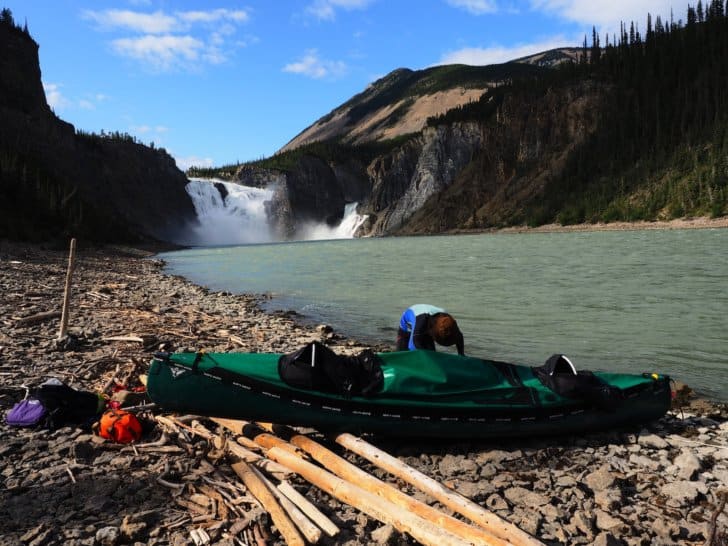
401	102
55	182
553	57
636	130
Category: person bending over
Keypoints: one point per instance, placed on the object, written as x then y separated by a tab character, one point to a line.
422	325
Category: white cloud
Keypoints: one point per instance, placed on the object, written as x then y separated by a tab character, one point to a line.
149	23
55	98
476	7
478	56
59	102
213	16
326	9
160	52
172	41
92	101
148	129
606	15
184	163
313	66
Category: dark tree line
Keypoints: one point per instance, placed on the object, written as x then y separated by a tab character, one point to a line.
6	18
661	148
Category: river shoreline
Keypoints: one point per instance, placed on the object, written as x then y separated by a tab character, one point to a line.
698	222
656	484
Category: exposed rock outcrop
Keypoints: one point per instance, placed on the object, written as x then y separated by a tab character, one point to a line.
526	146
406	179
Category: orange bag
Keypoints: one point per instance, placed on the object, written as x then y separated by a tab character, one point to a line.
120	426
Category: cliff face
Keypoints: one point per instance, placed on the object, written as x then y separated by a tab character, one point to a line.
55	183
20	84
515	157
404	180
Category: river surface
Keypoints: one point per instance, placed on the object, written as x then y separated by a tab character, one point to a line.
626	301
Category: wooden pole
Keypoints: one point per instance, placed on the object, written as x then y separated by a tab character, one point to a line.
304	524
352	474
360	480
260	491
452	499
67	290
373	505
308	508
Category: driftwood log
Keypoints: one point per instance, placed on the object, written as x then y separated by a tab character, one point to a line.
426	532
452	499
304	524
261	492
308	508
347	471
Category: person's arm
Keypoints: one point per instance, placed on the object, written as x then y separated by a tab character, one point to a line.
460	343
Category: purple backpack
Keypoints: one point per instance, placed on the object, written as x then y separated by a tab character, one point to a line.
26	413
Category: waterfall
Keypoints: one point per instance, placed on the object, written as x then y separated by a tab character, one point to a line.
345	230
237	218
233	214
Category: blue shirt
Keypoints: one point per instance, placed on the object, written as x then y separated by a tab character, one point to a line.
409	317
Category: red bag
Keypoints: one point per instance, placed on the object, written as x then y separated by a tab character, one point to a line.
120	426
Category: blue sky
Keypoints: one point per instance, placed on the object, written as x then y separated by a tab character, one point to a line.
217	82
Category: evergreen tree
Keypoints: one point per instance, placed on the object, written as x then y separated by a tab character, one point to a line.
649	36
692	16
6	16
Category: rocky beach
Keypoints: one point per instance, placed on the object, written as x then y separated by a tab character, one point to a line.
661	484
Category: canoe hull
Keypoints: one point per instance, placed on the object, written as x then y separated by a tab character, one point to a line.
176	386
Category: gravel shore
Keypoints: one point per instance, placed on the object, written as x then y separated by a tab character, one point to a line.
665	483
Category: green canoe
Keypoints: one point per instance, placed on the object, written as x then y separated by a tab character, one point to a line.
425	394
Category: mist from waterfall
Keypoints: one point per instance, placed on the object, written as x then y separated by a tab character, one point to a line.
240	217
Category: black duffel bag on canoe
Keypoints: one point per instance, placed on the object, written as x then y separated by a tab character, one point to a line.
316	367
559	374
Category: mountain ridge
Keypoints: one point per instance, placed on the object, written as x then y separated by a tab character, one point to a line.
400	102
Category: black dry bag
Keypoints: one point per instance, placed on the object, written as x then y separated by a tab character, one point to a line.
316	367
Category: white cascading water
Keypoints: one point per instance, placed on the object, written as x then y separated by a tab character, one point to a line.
345	230
240	218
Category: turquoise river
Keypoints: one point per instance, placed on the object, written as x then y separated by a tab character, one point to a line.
627	301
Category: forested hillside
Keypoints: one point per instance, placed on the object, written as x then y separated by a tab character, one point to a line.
660	149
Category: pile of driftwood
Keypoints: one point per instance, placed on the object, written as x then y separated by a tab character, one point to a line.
266	456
